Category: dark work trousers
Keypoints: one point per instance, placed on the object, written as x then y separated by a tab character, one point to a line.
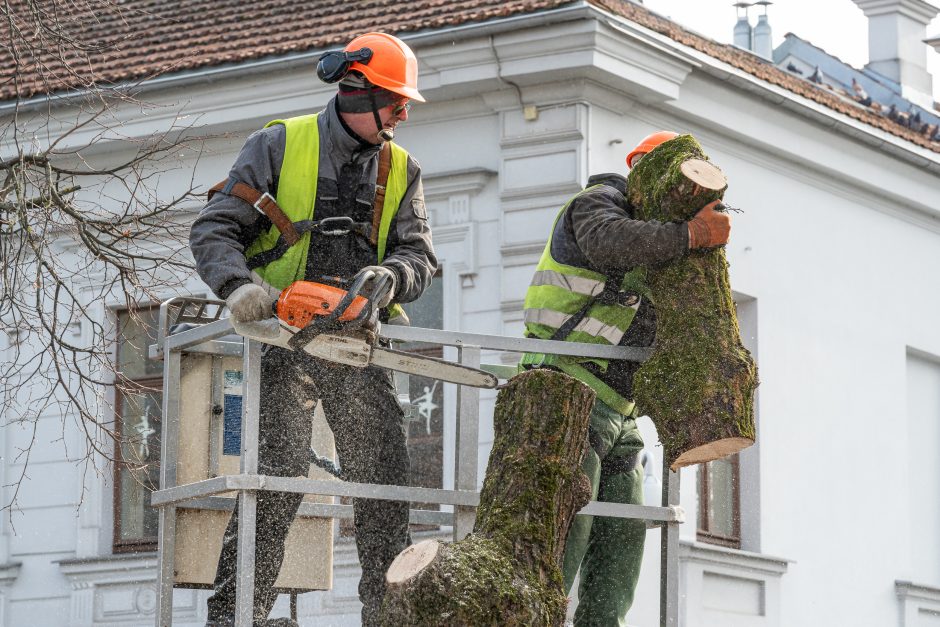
608	551
362	410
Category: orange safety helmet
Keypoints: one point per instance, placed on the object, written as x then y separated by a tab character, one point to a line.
393	65
648	143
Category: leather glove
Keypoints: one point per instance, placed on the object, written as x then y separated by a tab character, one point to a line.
709	227
249	302
381	271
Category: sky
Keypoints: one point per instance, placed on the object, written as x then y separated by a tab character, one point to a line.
837	26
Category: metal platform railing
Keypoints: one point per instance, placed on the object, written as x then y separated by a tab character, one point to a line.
211	334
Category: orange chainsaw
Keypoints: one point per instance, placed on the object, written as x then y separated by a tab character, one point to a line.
342	326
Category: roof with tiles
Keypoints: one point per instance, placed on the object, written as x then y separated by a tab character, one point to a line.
133	40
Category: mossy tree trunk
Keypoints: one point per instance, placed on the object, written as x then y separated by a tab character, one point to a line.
507	571
698	386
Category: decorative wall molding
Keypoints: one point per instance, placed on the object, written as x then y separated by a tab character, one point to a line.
730	587
456	247
9	572
440	185
919	603
122	589
455	230
564	135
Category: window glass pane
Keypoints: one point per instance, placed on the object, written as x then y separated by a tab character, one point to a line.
425	428
135	334
428	311
721	497
426	431
139	471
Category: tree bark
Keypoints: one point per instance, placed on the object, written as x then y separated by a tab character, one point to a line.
698	386
507	571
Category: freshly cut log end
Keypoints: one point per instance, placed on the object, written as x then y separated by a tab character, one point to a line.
412	561
710	452
698	385
704	174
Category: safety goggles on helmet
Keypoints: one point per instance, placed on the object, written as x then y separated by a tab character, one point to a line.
333	66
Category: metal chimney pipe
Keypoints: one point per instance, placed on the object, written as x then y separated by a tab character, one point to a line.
742	29
762	40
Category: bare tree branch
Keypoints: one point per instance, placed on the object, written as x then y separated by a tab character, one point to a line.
81	229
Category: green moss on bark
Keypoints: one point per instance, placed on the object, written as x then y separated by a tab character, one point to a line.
507	571
698	387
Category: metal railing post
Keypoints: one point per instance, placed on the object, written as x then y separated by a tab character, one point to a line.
169	441
248	499
669	562
468	442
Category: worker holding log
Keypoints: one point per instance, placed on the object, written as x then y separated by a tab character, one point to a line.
589	286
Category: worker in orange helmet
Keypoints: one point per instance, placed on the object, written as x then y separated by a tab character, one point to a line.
648	143
355	200
589	286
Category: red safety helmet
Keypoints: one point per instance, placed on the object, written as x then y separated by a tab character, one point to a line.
648	143
393	65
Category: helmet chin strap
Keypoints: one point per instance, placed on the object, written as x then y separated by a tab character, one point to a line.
385	134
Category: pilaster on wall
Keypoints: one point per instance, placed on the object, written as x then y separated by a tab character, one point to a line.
543	162
450	200
454	211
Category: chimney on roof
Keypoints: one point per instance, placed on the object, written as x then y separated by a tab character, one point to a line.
758	40
742	29
896	33
763	44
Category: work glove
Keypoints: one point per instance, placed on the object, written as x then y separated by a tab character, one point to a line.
709	227
381	271
249	303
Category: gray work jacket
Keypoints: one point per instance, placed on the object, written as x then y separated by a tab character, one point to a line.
598	232
226	226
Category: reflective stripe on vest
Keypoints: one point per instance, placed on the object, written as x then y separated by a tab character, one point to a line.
588	326
297	194
559	291
576	284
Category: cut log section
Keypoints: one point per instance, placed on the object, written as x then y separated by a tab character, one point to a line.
507	571
704	174
698	386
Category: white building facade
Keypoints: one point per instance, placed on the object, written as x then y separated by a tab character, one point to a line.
832	260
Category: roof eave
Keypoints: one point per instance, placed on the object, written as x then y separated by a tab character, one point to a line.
576	10
806	107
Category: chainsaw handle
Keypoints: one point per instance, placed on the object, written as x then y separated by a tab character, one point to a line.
379	289
359	281
331	322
